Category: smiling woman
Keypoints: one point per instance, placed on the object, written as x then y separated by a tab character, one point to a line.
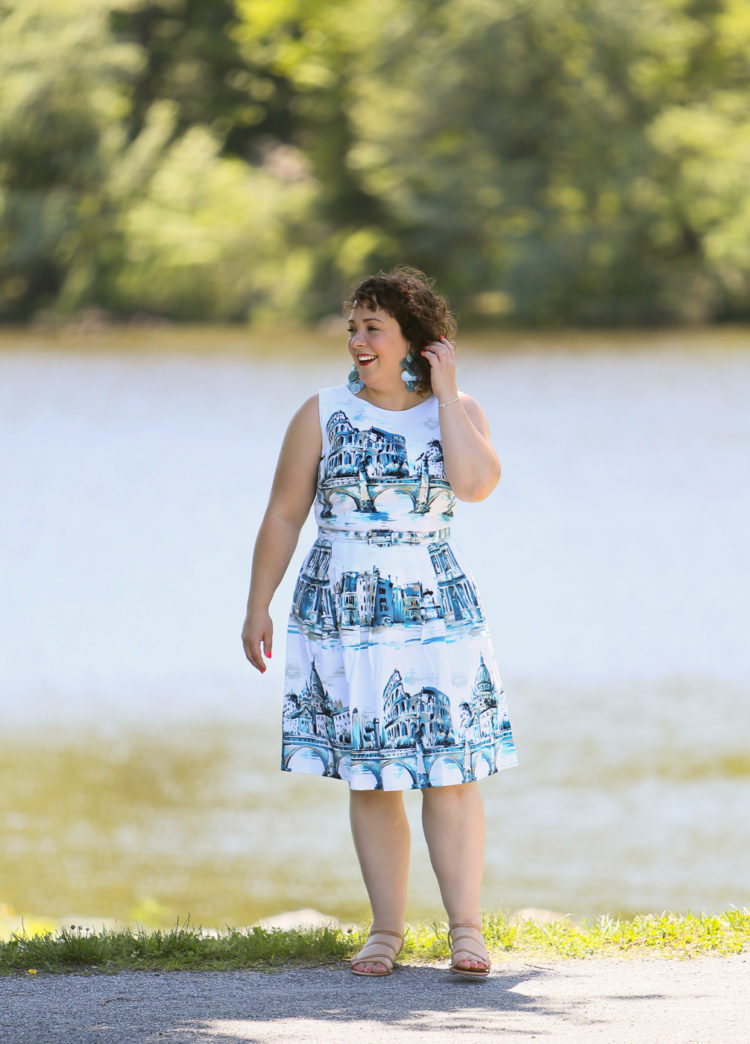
376	344
390	681
403	304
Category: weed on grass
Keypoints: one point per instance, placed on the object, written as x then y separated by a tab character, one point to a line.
186	947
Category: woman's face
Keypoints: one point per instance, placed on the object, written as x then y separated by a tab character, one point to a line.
377	346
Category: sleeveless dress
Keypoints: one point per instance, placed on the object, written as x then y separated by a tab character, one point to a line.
390	678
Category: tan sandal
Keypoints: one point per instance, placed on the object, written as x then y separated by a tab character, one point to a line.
378	951
467	944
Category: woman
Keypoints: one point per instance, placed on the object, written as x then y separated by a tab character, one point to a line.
390	682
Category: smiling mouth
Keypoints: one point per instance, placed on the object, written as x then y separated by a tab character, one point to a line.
365	360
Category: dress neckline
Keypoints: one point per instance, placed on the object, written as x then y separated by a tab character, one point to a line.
382	409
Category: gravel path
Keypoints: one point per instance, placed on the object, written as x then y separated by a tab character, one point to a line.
643	1001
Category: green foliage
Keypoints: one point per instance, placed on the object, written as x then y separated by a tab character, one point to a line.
666	935
580	161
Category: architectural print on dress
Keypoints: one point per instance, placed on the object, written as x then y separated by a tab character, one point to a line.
312	604
364	463
416	744
369	599
314	715
485	713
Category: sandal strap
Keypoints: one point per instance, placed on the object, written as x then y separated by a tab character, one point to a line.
466	931
384	931
461	944
368	955
474	955
373	957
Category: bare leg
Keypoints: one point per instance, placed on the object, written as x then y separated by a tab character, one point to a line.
382	839
453	821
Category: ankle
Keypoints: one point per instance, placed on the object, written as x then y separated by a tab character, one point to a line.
465	922
464	918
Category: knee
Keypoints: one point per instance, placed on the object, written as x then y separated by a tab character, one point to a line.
375	799
455	796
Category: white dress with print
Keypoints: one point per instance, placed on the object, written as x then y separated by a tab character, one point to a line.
390	680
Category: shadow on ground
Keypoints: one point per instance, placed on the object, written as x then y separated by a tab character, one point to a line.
293	1005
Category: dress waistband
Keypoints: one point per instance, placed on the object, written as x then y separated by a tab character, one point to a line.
386	537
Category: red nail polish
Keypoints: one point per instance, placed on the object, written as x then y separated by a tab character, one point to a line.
268	654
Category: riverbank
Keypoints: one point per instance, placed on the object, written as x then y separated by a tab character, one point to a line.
524	935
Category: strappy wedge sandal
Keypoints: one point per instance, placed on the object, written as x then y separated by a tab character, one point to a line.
467	944
378	951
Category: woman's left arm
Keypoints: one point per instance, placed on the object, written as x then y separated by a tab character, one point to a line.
471	465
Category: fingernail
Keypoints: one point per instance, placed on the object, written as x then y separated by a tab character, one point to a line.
268	654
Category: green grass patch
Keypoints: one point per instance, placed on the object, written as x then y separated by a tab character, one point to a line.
191	948
664	935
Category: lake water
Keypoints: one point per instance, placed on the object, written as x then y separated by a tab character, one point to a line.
138	750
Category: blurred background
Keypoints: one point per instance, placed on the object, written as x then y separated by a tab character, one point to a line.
188	188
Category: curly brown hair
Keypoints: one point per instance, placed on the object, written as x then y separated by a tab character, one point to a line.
423	316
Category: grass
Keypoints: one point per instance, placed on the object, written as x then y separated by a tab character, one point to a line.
187	947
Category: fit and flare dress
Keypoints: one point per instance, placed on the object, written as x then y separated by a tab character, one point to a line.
390	678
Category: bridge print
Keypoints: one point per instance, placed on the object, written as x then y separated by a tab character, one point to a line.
422	491
461	763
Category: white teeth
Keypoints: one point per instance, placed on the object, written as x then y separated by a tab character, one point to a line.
365	358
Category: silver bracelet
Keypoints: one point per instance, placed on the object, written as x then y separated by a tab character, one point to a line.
448	402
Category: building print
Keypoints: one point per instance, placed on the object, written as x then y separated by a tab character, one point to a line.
372	451
314	715
423	718
313	600
458	597
371	599
416	738
363	463
480	716
431	460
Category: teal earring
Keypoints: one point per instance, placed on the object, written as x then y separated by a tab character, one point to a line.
409	377
355	382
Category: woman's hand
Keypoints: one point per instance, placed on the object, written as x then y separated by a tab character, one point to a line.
441	355
471	465
257	629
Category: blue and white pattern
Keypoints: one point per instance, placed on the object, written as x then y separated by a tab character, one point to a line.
390	681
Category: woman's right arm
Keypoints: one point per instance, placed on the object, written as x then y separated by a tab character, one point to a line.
292	495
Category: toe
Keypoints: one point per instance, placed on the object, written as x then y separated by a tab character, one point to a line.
368	967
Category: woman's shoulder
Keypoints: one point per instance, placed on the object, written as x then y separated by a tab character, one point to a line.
336	391
305	422
337	397
311	415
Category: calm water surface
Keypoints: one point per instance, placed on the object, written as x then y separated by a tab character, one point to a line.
139	752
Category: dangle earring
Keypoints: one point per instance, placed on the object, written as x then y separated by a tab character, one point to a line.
355	382
409	377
